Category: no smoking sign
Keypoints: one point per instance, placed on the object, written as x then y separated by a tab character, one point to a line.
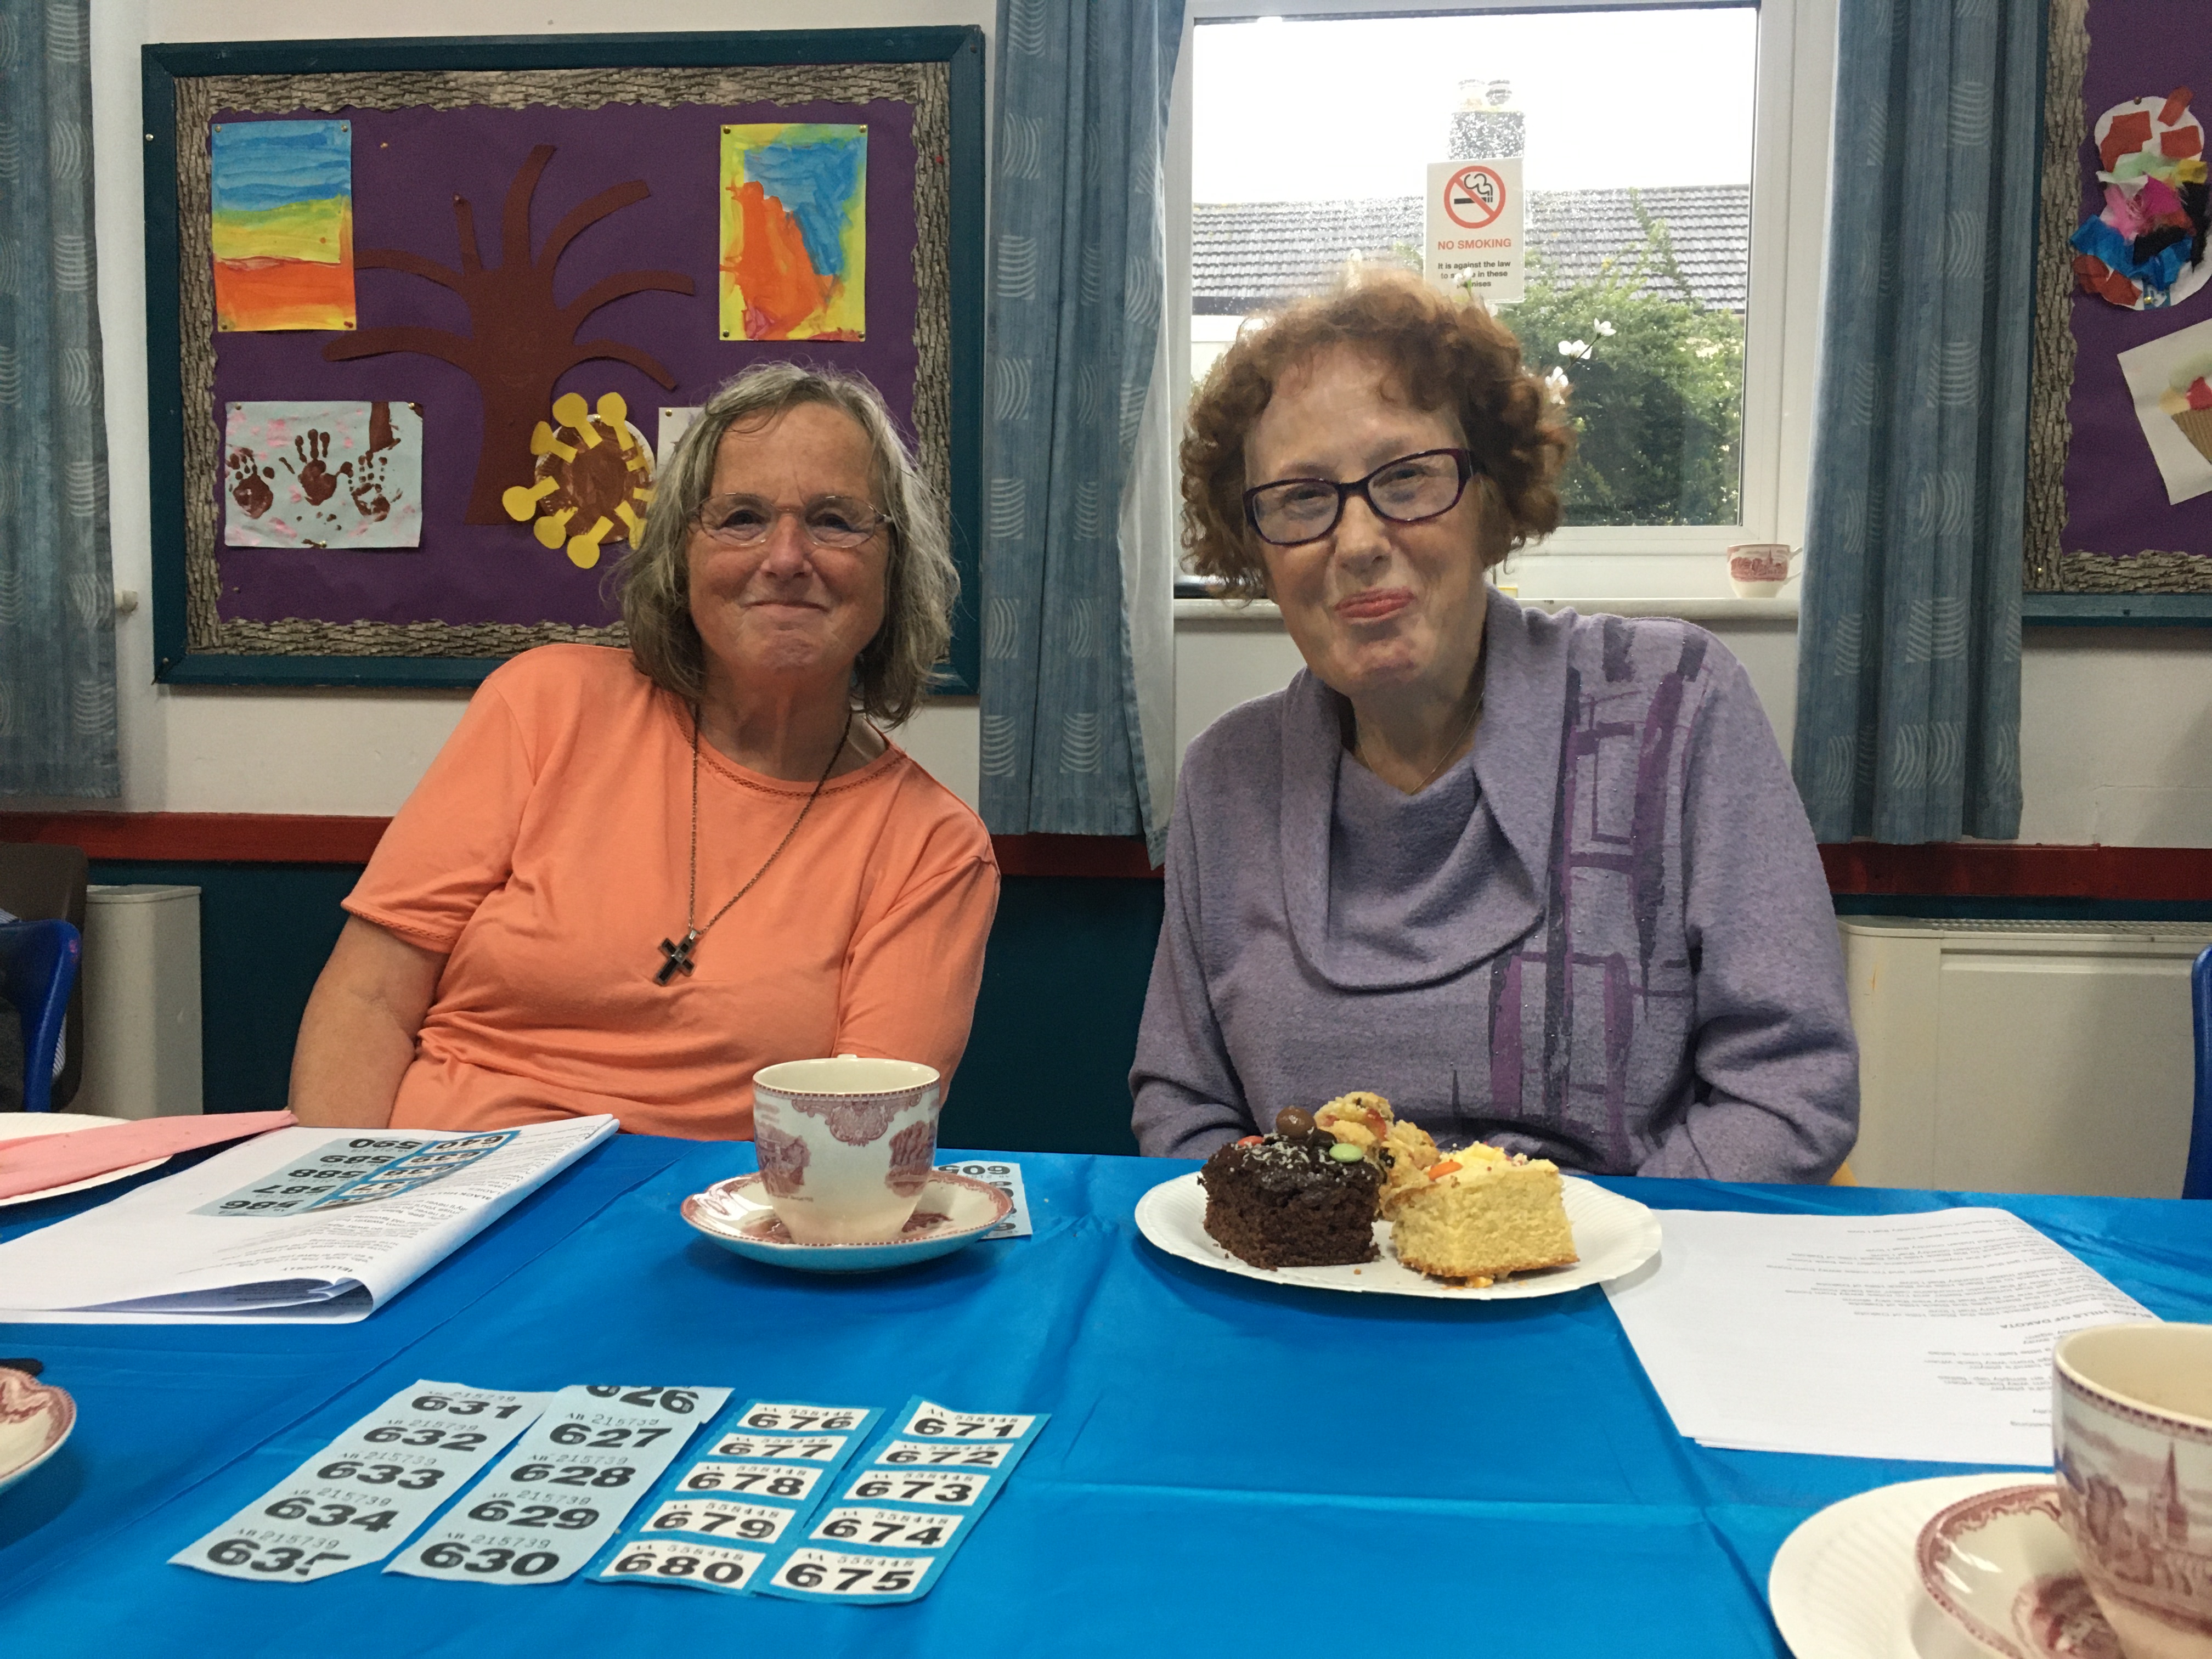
1474	230
1474	198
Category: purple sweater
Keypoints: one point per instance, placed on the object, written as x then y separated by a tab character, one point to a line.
1603	937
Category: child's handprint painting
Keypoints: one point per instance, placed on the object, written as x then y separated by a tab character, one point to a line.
322	475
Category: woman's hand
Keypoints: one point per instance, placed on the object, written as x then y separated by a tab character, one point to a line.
358	1037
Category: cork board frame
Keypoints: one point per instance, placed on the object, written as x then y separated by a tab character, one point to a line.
932	77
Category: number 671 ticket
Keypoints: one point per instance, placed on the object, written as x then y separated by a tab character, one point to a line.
885	1533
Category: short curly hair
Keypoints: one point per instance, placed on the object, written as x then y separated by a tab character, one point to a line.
1442	353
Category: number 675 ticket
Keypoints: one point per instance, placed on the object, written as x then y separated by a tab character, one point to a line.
885	1534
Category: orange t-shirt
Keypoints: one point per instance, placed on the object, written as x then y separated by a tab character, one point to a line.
546	850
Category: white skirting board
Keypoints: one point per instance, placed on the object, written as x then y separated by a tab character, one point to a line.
2022	1056
141	1002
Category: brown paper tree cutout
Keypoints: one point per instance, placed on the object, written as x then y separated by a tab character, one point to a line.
519	342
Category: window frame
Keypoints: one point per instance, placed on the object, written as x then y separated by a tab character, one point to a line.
1794	100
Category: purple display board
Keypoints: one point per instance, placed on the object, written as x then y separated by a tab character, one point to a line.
409	166
2120	489
537	228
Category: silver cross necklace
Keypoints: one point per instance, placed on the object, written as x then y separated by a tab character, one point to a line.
679	954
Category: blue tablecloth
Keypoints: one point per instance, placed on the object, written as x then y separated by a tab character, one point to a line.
1231	1465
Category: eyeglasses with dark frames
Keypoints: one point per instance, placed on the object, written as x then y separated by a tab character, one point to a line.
1406	490
826	521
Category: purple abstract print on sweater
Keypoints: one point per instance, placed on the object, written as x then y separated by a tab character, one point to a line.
1602	936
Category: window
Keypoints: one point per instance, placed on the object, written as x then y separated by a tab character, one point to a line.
1674	173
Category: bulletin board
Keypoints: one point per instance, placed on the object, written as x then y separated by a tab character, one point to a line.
2119	508
425	317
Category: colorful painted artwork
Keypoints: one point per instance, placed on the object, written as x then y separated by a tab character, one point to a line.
282	211
794	232
2170	380
322	475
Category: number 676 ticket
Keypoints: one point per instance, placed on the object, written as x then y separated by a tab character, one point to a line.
886	1532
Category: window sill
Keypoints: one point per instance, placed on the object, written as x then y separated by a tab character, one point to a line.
1262	613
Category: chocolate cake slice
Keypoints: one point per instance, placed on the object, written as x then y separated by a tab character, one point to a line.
1291	1201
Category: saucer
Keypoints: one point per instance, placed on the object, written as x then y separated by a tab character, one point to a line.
953	1212
1845	1584
34	1420
1999	1564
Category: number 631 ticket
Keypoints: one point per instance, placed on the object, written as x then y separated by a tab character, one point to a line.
564	1489
356	1500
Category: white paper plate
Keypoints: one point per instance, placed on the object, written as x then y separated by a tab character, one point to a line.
21	1126
1846	1583
1614	1236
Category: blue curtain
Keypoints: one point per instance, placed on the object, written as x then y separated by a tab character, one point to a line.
56	591
1077	240
1908	665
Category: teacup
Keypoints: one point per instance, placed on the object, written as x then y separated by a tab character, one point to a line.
2133	1433
1757	570
845	1144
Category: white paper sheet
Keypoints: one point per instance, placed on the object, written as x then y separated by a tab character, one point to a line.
1925	1337
1006	1177
296	1226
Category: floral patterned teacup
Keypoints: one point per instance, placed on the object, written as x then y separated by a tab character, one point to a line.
845	1144
2133	1427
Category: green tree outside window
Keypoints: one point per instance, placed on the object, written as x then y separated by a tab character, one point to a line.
1654	384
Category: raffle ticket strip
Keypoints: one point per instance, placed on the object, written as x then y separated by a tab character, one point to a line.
766	1502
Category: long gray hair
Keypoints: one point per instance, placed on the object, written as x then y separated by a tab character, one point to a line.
892	675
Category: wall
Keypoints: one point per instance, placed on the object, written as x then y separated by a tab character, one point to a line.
2115	722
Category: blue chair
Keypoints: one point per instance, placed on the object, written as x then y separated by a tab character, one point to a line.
38	968
2197	1179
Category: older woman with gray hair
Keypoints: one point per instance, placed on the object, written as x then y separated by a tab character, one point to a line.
632	879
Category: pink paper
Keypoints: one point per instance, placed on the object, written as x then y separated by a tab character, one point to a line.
2124	213
33	1165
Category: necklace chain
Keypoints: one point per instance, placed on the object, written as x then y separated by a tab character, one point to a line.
1452	750
679	955
1437	771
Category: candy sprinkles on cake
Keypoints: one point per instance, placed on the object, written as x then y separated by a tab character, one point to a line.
1291	1199
1309	1195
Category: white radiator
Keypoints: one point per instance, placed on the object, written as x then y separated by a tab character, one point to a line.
2022	1056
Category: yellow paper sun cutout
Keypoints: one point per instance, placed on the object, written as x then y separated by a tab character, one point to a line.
598	476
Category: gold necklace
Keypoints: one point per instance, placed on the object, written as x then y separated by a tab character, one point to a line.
1437	771
1450	752
679	954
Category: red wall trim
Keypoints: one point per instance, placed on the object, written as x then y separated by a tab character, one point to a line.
2004	869
1072	856
202	838
1947	870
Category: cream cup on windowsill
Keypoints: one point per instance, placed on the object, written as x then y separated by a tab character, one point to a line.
1758	570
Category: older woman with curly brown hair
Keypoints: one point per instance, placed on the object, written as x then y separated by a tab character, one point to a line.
1542	881
633	877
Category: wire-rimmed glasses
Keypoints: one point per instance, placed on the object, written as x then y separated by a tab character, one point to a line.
737	520
1404	491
